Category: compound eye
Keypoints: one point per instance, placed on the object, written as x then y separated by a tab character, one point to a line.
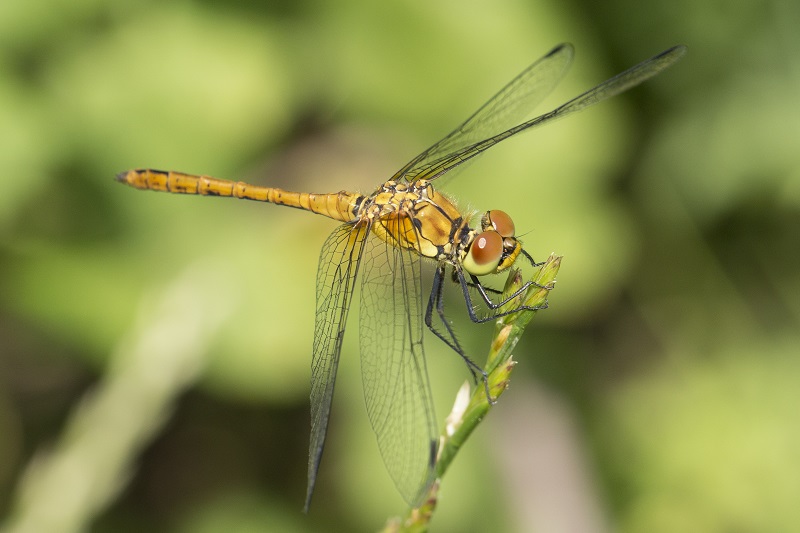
500	222
484	254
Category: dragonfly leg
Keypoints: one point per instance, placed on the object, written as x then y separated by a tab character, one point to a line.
534	263
476	284
436	301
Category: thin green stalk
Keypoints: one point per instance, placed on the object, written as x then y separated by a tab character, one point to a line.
469	410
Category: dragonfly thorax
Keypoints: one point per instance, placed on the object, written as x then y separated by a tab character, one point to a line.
414	216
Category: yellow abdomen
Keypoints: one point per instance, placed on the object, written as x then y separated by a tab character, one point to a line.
338	206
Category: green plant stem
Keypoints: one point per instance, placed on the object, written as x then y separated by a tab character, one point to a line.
469	410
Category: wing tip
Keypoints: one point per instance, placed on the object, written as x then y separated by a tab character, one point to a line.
675	52
560	47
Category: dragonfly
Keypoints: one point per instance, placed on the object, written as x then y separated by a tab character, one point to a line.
385	237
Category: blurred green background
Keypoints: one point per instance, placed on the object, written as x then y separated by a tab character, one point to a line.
658	393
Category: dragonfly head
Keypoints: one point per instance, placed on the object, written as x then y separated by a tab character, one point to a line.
495	248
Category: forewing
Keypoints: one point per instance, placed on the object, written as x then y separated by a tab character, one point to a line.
395	377
508	107
336	274
432	169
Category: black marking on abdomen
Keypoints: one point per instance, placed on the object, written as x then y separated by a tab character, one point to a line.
357	204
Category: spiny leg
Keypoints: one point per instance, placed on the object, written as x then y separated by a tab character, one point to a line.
437	300
465	286
534	263
476	285
458	277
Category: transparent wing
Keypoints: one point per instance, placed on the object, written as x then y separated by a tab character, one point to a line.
395	377
336	274
432	168
505	109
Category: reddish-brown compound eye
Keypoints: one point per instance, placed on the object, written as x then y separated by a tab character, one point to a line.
500	222
484	254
